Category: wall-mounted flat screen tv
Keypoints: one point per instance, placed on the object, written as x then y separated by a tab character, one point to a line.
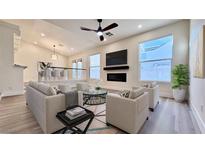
116	58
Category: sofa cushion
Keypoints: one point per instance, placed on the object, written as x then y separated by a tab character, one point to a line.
64	88
149	84
136	93
82	86
135	87
146	85
71	98
152	84
44	88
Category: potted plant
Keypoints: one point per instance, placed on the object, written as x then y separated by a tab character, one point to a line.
180	81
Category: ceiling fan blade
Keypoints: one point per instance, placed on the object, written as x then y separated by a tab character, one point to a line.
113	25
87	29
101	37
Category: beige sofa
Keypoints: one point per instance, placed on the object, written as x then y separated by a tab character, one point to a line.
45	105
126	113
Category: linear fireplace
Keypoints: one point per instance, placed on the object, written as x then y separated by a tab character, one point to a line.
119	77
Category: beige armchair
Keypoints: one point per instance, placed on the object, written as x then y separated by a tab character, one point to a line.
125	113
153	93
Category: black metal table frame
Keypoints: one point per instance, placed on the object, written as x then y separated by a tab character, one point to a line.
73	127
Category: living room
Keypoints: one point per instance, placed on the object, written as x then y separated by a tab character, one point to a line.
114	65
102	76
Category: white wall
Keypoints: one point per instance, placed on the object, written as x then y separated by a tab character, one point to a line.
180	31
29	54
11	77
197	86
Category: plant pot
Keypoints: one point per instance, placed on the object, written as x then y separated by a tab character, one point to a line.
179	94
0	96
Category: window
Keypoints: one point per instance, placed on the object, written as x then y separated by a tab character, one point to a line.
77	74
80	66
95	67
156	59
74	72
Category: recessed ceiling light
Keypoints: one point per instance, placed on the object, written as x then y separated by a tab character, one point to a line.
139	26
43	35
35	43
105	39
61	45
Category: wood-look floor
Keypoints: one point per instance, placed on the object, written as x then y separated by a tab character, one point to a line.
15	117
169	117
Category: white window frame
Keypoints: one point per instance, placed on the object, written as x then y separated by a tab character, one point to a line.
77	71
94	66
156	60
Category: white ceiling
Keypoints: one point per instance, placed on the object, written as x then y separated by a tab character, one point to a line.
68	33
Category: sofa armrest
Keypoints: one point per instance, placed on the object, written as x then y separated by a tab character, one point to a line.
142	102
80	98
54	104
153	96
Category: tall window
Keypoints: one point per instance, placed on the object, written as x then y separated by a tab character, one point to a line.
95	67
156	59
74	72
77	74
80	66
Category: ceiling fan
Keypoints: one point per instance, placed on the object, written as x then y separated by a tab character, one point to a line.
100	30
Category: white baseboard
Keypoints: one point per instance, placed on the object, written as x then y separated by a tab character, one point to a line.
200	122
166	94
12	93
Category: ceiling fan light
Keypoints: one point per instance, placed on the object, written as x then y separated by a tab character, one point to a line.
99	33
139	26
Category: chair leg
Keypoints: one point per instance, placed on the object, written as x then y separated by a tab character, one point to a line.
151	109
107	124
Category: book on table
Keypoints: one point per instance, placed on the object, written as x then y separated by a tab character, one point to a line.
76	116
75	112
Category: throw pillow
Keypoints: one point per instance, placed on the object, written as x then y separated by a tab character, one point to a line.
46	89
57	90
53	91
146	85
125	93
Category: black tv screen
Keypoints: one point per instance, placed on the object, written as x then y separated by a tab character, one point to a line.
116	58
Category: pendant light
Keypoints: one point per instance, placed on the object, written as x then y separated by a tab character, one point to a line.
54	56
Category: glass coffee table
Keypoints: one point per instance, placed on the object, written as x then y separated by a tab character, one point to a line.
95	97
